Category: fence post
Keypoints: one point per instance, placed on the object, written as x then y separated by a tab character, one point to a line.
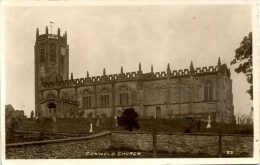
220	139
154	139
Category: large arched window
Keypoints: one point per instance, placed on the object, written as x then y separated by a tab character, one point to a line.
53	53
124	95
86	99
104	97
42	53
208	91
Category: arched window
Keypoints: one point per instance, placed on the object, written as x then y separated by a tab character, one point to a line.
50	96
104	97
42	53
53	53
208	91
65	96
86	99
124	95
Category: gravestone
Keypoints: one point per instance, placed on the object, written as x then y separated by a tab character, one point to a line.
90	130
116	121
209	126
97	122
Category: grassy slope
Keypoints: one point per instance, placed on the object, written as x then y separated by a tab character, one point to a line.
163	125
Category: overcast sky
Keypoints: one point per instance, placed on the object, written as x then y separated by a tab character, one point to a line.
114	36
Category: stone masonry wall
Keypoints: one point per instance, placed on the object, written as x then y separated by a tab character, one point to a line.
193	144
185	143
60	149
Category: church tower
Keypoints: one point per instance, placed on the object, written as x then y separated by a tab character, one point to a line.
51	54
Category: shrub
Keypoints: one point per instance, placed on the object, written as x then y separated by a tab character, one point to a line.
128	119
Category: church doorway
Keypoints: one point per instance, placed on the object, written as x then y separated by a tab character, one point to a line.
158	112
52	107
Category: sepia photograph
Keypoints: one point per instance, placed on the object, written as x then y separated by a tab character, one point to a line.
141	81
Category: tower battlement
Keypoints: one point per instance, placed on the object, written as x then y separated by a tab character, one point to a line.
51	36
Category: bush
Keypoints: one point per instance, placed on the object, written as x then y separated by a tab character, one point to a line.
128	119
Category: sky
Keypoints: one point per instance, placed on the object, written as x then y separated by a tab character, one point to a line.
114	36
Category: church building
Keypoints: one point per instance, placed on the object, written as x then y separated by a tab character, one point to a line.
195	92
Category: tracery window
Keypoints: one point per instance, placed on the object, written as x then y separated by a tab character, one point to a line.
50	95
104	97
208	91
124	95
53	53
86	99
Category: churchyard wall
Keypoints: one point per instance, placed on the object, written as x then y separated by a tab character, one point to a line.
185	143
72	148
174	144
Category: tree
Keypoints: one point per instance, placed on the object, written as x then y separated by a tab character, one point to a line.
243	57
128	119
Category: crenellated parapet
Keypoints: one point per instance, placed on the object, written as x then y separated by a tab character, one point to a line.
139	75
180	72
51	36
91	80
206	70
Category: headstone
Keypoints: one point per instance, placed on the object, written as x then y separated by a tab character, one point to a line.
97	123
91	128
37	123
209	126
116	121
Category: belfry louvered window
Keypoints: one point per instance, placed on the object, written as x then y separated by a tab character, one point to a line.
42	54
53	53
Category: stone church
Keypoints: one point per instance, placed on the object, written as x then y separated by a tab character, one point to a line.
195	92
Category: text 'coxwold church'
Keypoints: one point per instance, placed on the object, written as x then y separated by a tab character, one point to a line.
195	92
